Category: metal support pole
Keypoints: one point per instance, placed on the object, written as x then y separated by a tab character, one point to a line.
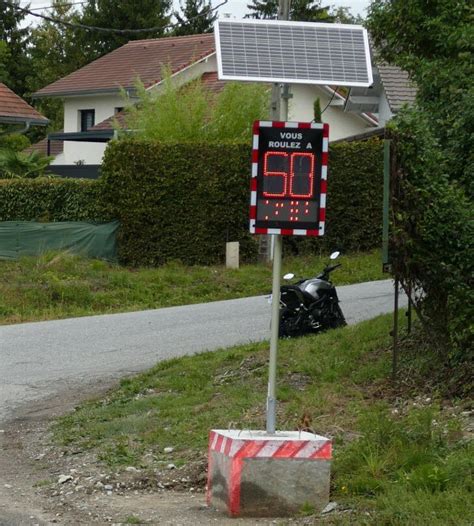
271	397
283	14
395	332
409	311
386	205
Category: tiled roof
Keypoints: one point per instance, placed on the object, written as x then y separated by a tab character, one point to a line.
56	147
108	124
210	81
14	109
398	87
144	59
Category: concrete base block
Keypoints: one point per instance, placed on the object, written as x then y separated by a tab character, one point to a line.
254	474
232	254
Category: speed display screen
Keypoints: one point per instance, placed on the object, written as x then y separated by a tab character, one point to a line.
287	172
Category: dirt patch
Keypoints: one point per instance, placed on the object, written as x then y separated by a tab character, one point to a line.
41	484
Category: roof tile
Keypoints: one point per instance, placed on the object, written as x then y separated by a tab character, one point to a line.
14	107
397	85
144	59
210	81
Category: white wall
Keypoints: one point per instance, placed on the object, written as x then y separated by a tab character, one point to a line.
385	113
103	105
341	124
83	152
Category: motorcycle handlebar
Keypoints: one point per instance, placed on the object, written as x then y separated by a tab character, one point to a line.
334	267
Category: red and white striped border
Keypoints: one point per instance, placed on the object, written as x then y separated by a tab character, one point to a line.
291	448
240	449
324	175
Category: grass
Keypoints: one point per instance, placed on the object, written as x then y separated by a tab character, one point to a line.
61	285
395	463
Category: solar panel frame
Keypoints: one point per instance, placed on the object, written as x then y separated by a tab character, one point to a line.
288	29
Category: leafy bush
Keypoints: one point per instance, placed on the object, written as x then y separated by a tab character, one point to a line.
178	201
184	201
14	141
433	232
51	200
433	229
192	113
19	164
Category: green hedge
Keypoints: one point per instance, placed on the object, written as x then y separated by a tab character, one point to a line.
184	201
354	200
178	201
51	199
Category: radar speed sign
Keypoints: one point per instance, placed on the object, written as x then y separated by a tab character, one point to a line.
289	173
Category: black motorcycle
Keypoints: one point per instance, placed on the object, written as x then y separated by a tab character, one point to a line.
310	305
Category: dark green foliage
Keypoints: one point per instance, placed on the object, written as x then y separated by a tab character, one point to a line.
178	201
433	166
317	110
184	201
14	141
121	14
354	201
432	245
51	200
56	51
196	17
14	61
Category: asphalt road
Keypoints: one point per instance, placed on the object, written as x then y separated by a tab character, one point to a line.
41	359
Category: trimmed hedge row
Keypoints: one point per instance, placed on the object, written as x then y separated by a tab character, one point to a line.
354	200
51	199
178	201
184	201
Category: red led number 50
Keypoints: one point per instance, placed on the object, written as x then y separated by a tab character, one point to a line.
289	178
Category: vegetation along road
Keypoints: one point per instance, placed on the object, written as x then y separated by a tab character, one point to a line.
42	359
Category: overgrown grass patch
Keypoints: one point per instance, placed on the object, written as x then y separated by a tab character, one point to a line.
395	462
62	285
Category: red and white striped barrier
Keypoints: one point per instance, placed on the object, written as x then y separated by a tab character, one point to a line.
231	447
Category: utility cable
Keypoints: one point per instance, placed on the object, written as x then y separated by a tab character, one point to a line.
330	100
108	29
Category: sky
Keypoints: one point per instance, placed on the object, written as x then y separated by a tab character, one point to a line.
234	8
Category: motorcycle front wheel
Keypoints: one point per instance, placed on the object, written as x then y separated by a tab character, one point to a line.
289	324
337	319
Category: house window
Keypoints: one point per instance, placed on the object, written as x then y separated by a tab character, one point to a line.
87	119
118	109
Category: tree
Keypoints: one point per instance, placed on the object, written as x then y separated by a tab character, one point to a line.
317	110
121	14
16	63
435	44
55	51
4	55
197	17
433	152
303	10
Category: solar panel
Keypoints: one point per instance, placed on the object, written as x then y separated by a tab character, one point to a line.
293	52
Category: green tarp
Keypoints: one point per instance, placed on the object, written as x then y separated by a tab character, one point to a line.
29	238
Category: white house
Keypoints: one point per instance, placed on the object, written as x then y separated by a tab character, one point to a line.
92	96
389	92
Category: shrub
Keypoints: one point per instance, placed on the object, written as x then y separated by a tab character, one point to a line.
178	201
193	113
51	200
18	164
184	201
